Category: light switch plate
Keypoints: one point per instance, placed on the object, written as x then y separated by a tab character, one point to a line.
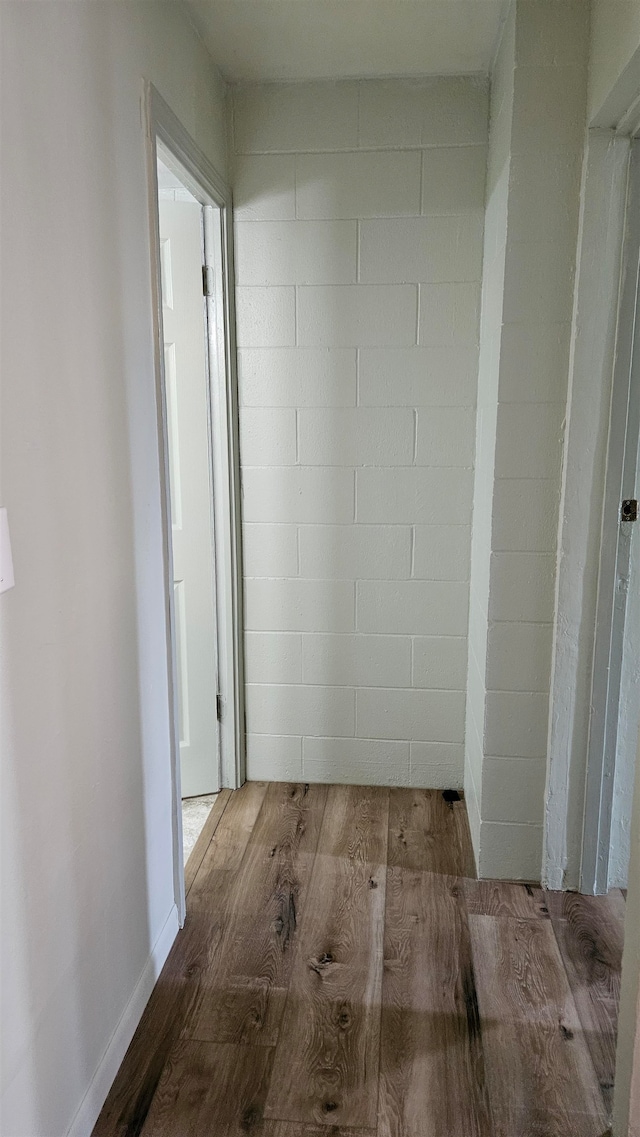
6	560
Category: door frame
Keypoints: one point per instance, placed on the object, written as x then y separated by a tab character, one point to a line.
206	185
614	552
600	247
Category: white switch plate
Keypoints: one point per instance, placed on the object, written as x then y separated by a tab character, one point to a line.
6	560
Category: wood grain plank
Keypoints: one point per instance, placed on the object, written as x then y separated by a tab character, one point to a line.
502	898
295	1129
432	1081
229	842
242	999
465	844
326	1061
423	833
267	914
189	961
539	1072
590	935
204	838
210	1088
130	1097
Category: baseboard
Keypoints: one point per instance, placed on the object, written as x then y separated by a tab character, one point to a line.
92	1102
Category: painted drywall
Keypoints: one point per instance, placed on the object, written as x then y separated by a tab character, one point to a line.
359	218
535	150
615	42
87	874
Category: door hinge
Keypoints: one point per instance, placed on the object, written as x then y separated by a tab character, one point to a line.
219	707
207	280
629	509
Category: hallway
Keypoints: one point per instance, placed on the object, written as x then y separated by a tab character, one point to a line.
342	972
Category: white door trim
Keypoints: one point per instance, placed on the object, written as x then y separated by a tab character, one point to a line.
593	344
611	604
201	178
602	212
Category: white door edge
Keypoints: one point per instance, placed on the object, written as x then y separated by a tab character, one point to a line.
611	604
164	130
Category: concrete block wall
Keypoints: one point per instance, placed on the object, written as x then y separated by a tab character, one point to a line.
535	151
359	219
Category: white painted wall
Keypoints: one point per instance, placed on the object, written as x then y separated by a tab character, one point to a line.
260	43
613	83
626	1105
495	243
628	717
88	909
535	151
359	217
615	39
614	54
602	211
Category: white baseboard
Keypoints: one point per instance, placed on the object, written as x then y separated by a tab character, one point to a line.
102	1080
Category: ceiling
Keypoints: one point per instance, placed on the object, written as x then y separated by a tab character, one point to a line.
262	40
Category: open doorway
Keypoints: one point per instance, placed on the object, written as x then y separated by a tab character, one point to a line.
190	446
199	468
615	705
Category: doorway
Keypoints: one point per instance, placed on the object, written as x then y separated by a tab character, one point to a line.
187	384
615	702
192	259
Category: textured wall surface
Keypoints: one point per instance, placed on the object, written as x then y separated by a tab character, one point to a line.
615	39
359	220
535	153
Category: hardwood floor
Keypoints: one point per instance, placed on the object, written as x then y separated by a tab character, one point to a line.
341	973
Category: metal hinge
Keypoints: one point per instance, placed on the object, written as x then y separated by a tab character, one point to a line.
219	707
629	509
207	280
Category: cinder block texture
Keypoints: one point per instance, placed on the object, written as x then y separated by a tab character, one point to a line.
371	315
374	552
434	376
382	184
538	111
300	710
432	495
362	436
265	317
426	607
519	846
297	377
356	761
268	436
421	249
359	660
274	757
273	657
270	550
359	218
264	188
295	252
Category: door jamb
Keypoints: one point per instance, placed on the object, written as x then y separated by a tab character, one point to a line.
592	352
210	189
606	674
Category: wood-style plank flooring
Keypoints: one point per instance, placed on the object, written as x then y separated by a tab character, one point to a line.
341	972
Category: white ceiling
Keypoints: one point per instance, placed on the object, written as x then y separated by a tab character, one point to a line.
259	40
